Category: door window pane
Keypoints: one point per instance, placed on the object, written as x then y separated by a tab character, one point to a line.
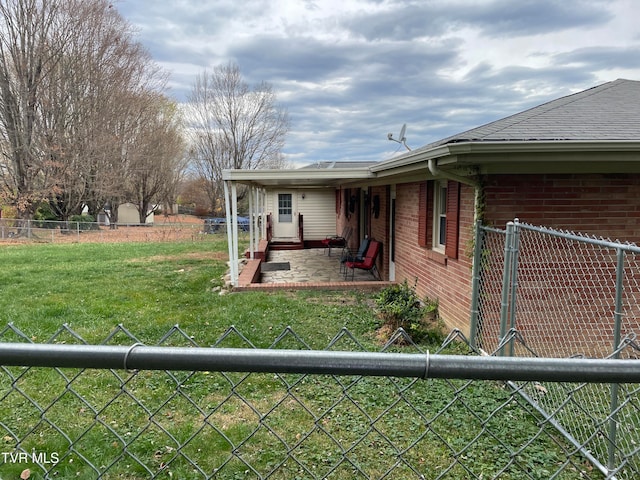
285	208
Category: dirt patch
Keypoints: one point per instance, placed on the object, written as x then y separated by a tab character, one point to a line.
332	298
173	228
186	256
177	220
384	333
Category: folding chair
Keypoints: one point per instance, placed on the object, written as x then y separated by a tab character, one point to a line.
349	256
337	241
367	263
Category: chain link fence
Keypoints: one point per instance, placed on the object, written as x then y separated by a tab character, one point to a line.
120	423
50	231
549	293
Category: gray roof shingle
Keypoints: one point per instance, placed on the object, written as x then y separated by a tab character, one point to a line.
336	164
610	111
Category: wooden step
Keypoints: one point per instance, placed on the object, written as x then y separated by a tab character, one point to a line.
286	245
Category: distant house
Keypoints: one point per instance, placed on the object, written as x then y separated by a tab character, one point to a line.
127	215
572	163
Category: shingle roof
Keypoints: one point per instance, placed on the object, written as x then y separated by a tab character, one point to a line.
336	164
607	112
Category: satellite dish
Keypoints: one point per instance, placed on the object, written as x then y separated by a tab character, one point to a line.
403	139
402	132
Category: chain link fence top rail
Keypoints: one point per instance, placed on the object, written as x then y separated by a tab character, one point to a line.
91	423
549	293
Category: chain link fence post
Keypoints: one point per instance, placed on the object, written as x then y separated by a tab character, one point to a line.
475	282
515	248
506	285
617	328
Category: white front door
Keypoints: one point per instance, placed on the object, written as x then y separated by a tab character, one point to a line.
285	221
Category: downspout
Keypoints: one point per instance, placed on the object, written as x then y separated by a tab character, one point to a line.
437	173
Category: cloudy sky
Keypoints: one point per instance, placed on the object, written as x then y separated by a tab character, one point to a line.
351	71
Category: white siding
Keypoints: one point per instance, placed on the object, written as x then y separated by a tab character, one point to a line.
318	208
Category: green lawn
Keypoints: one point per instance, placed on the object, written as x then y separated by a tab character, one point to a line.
149	288
188	425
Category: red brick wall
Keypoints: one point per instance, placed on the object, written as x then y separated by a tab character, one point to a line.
564	289
346	218
438	277
379	227
601	204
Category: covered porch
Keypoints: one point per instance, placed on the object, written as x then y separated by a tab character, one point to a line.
289	196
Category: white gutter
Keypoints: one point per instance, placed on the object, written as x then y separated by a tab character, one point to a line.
506	146
298	176
436	172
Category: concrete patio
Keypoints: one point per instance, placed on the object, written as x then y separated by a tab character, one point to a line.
312	268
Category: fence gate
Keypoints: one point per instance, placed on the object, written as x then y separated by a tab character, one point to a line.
549	293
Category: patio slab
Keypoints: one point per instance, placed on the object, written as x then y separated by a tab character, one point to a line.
312	268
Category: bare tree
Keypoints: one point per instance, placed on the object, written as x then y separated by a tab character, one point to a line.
30	47
74	90
80	99
193	192
122	118
157	156
233	126
112	75
209	156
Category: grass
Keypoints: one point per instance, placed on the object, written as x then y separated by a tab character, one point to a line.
187	425
149	288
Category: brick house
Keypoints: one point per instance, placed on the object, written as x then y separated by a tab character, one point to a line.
572	163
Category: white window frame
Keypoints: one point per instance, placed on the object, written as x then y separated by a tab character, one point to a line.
439	216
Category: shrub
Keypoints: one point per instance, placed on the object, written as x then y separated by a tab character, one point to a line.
84	222
8	211
399	306
44	217
201	211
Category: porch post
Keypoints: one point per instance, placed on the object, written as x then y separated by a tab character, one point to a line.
263	212
252	240
230	203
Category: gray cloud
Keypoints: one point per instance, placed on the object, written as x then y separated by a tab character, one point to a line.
350	75
505	18
601	57
405	21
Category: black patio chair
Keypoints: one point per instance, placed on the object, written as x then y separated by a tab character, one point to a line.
349	256
368	263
